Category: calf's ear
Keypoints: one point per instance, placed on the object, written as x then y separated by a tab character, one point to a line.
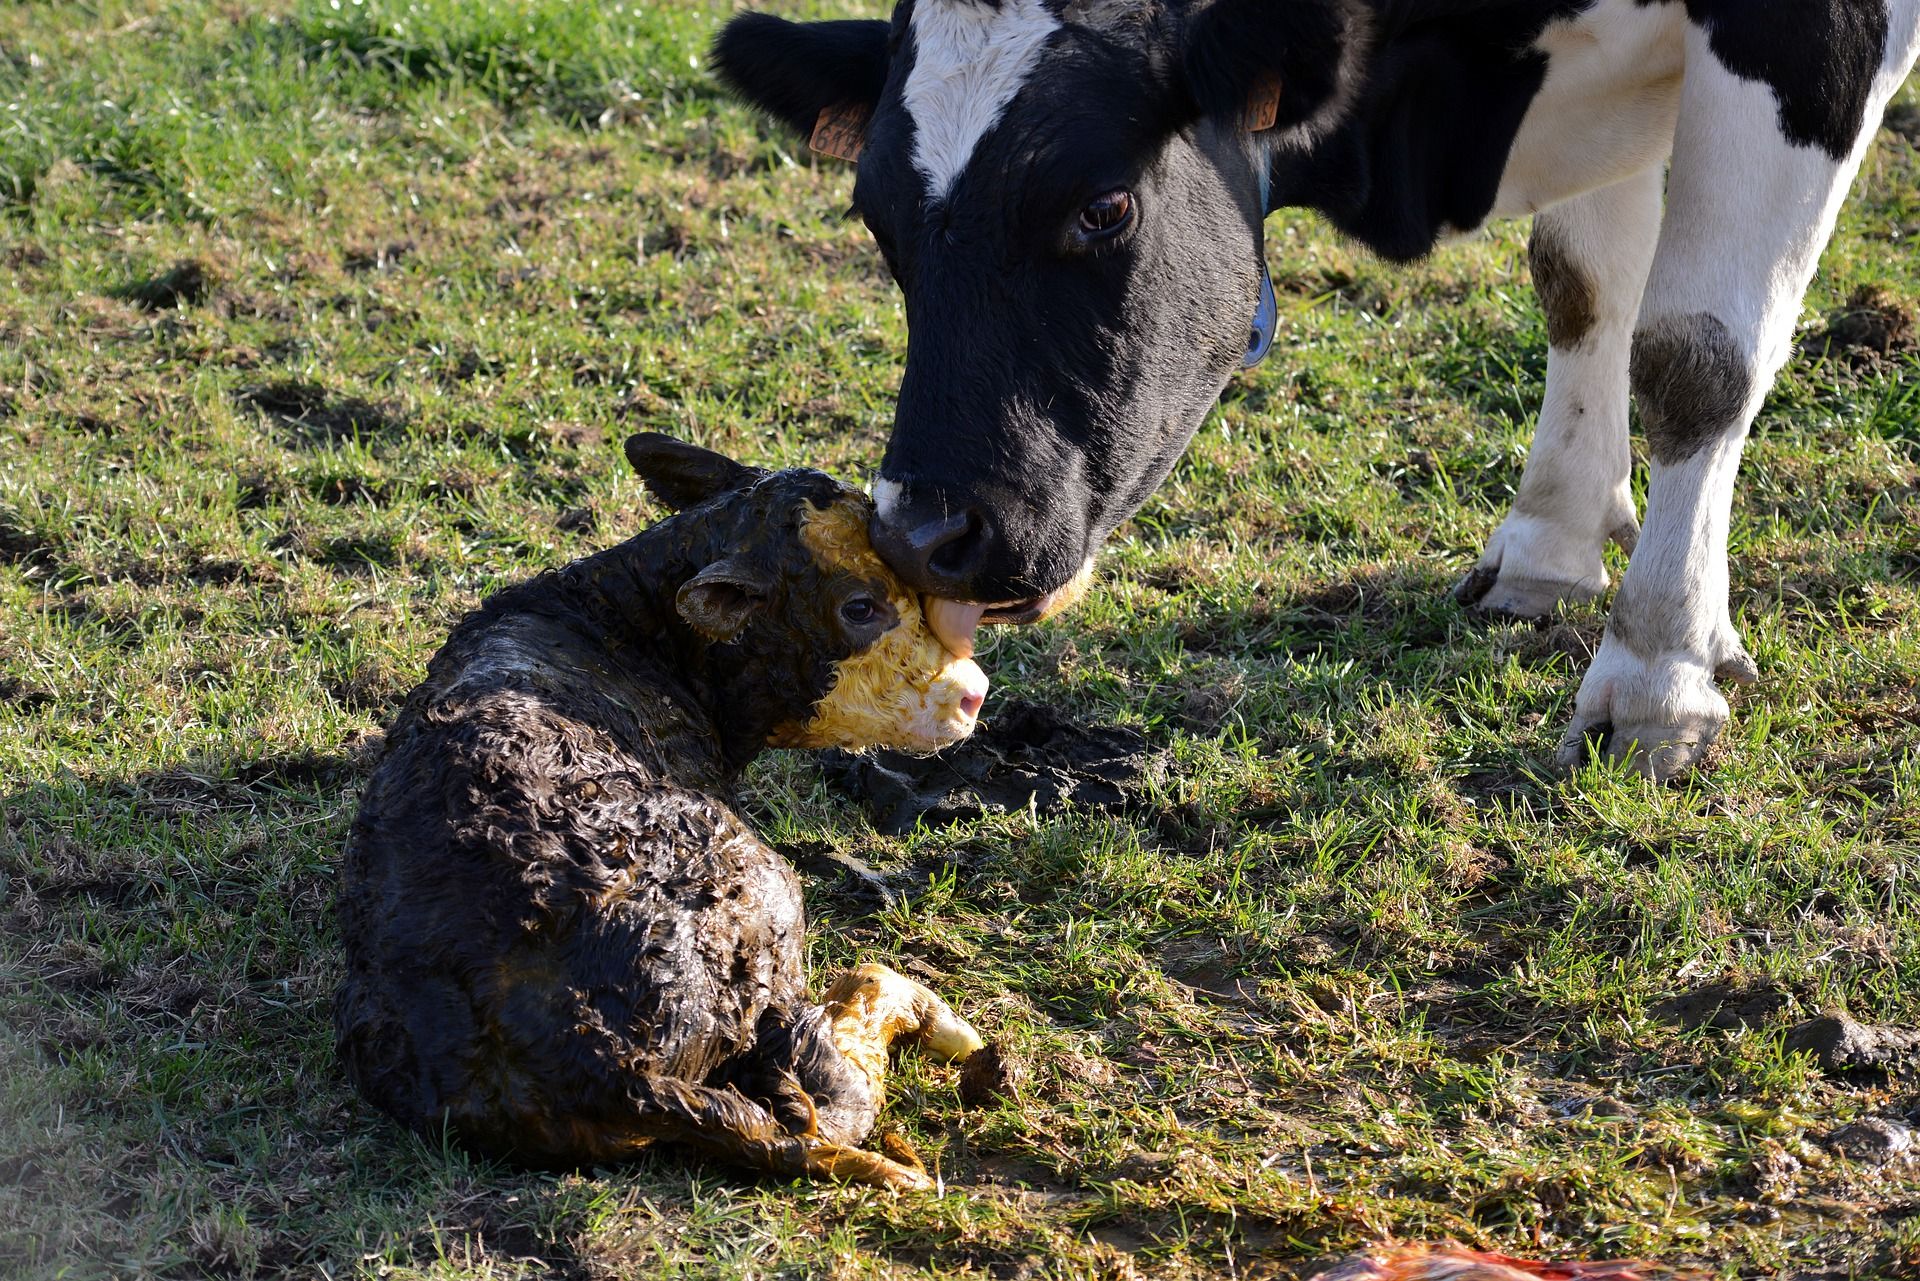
682	475
819	79
1274	63
719	601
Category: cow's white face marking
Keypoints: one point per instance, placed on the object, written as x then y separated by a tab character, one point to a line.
969	62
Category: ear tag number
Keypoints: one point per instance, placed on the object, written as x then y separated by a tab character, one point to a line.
840	131
1266	319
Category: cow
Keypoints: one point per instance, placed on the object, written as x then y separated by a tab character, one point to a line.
1070	195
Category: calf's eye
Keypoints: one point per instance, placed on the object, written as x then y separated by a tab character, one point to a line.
859	611
1107	213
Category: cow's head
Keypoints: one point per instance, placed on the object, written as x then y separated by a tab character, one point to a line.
1070	194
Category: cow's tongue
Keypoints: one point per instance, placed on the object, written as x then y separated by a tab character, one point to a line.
953	622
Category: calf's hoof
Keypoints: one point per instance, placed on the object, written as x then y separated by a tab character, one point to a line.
857	1165
870	1007
1657	716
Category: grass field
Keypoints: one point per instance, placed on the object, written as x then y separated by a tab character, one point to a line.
323	318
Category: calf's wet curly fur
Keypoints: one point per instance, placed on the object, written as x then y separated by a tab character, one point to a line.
562	944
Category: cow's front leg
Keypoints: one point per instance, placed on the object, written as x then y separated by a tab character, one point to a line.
1748	211
1590	257
1650	696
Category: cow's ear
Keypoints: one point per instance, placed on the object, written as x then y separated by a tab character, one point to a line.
1275	63
820	79
682	475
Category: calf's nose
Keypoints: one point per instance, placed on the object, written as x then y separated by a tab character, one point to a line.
940	554
971	684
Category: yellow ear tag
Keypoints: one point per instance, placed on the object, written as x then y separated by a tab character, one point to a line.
1263	107
841	131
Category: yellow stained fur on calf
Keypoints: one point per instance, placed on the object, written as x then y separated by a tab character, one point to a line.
870	1007
895	684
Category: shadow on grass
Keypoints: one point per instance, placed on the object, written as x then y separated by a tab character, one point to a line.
314	415
168	944
1368	611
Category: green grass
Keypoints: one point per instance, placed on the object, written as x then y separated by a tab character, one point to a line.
1369	966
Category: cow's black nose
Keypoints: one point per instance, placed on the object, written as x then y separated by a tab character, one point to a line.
941	556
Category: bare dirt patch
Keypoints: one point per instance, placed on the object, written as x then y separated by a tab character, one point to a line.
1874	323
1845	1047
1725	1006
989	1075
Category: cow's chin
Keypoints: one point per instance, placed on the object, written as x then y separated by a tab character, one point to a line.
954	622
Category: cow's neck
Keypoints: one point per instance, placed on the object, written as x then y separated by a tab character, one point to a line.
1421	152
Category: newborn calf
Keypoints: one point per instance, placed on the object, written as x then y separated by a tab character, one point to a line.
562	945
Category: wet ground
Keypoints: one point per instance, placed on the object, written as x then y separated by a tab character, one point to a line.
1027	756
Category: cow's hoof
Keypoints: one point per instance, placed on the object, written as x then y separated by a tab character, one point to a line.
1532	567
1488	591
1658	717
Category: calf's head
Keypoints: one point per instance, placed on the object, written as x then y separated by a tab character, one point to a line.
1069	194
804	633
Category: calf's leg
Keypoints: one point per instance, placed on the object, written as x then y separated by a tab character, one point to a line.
1590	256
721	1123
871	1007
1759	171
820	1071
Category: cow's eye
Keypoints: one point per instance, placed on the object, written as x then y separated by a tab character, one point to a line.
859	611
1106	213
